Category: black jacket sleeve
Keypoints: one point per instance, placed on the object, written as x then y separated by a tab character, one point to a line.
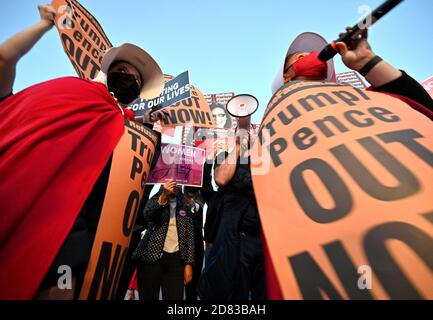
186	235
153	211
207	188
408	87
213	216
242	180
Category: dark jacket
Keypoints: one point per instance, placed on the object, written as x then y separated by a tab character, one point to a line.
239	214
151	247
214	201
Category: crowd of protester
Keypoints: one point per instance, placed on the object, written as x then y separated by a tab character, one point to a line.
193	243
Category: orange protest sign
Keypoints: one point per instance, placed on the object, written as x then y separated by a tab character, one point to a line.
346	206
83	38
130	167
193	111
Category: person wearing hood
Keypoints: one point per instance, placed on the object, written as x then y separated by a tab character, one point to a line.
302	62
57	140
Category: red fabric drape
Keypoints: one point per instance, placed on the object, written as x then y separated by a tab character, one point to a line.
55	139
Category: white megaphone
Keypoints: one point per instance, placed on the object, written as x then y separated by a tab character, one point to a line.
242	107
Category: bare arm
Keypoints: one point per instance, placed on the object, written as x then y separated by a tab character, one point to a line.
359	53
225	171
16	47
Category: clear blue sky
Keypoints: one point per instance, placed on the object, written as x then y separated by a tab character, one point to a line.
234	45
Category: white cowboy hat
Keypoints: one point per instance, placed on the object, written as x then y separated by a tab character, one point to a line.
308	42
151	74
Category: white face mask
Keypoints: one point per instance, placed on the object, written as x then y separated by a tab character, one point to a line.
101	77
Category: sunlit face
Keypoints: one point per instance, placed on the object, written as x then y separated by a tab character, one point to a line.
220	117
290	60
124	67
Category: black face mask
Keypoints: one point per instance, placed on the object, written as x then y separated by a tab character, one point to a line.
124	86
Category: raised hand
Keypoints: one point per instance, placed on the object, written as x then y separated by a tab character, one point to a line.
48	15
357	53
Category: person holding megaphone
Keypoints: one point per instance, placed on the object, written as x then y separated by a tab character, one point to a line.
235	267
302	62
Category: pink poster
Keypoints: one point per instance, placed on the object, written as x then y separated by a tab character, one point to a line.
181	163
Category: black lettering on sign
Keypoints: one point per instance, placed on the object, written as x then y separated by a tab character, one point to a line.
187	102
107	270
135	139
270	127
346	271
137	167
69	48
186	116
170	117
334	184
350	116
84	25
275	149
315	98
347	97
312	281
198	116
69	45
390	275
304	138
196	101
321	124
131	209
78	36
407	138
293	114
407	186
143	147
82	62
183	116
79	60
381	113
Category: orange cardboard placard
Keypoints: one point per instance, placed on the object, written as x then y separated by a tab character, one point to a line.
83	38
193	111
347	204
130	167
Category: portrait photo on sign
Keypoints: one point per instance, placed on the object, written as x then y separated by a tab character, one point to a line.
222	118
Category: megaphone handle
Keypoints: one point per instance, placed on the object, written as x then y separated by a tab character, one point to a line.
330	50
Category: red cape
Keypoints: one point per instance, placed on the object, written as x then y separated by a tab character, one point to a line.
55	139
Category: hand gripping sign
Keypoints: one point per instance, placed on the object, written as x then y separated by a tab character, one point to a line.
130	167
350	188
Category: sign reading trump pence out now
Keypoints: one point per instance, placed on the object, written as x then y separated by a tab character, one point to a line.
349	188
